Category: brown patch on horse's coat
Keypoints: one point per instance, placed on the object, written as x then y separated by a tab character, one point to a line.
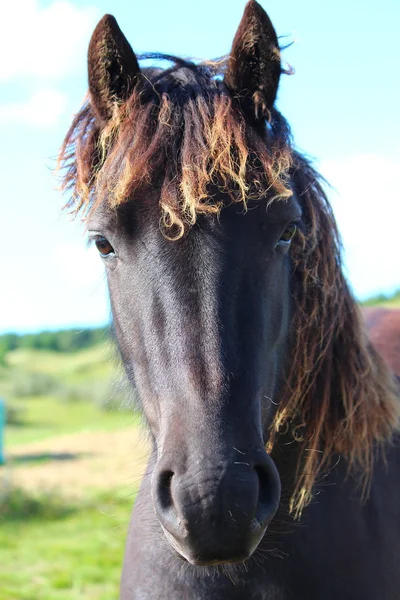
383	325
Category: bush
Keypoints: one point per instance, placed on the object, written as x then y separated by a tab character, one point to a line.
118	395
14	415
107	395
31	384
17	504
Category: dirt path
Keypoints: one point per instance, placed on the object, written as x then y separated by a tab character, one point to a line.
73	463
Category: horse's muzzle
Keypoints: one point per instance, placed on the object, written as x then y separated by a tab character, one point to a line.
217	514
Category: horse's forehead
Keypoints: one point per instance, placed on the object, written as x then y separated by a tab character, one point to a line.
142	213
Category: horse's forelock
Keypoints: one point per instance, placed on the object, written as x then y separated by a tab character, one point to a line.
180	121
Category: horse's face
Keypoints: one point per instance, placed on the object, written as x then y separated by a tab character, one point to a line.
202	324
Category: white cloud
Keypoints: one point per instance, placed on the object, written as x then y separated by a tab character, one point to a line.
43	109
45	42
367	208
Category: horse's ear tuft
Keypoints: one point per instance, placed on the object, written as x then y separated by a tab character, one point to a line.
113	68
254	65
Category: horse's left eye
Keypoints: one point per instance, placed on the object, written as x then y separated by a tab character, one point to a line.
104	246
289	233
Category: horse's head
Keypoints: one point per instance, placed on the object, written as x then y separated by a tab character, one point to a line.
201	320
188	175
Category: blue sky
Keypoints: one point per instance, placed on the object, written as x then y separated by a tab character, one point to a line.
342	103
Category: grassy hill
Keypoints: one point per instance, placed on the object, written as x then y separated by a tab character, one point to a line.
92	374
74	462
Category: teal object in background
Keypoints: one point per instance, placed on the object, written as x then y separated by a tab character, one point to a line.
2	425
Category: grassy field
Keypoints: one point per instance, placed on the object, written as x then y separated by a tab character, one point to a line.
72	472
52	548
44	417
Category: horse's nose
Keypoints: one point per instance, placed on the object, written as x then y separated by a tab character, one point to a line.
217	514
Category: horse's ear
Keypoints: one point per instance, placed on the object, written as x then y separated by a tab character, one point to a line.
112	67
254	65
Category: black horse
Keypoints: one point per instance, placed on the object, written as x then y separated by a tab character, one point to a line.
274	472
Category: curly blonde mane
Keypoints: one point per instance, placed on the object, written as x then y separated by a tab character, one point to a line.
182	131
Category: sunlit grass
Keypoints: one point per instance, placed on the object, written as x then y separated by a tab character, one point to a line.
52	549
392	303
46	417
97	361
56	544
54	393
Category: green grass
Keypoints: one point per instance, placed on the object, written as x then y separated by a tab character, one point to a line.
53	550
46	417
52	393
391	303
90	367
95	361
53	547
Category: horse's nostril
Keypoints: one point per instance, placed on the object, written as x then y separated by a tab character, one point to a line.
269	492
164	489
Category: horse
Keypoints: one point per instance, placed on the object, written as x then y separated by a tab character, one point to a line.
274	464
383	325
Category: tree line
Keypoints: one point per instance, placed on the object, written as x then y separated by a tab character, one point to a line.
382	298
65	340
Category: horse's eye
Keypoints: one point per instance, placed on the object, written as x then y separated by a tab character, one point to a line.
289	233
104	246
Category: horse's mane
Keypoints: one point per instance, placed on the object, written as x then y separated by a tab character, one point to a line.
181	130
340	397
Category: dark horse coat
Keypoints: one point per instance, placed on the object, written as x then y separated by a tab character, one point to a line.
274	471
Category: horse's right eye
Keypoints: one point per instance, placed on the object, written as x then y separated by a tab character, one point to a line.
104	246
